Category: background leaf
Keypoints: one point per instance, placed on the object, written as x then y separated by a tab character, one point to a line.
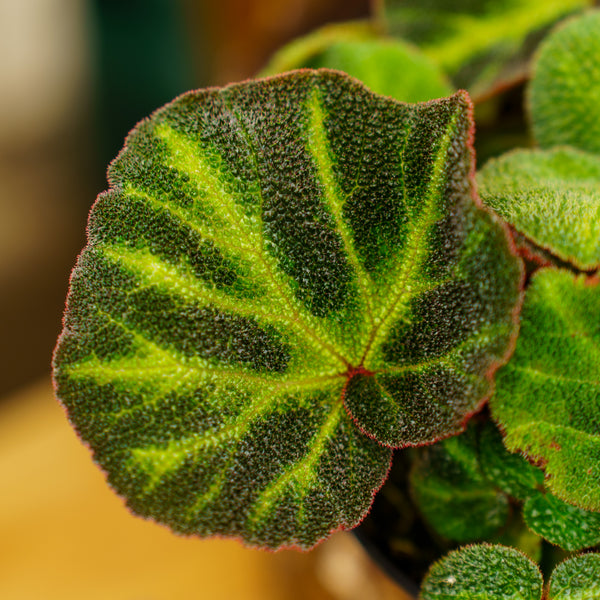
552	197
508	471
567	526
386	66
577	578
483	572
267	254
480	44
547	397
451	492
565	89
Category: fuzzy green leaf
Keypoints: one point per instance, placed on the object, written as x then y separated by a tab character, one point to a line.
452	493
567	526
552	197
564	96
547	398
386	66
577	578
480	44
483	572
508	471
270	257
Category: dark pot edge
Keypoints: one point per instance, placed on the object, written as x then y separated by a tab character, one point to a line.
383	562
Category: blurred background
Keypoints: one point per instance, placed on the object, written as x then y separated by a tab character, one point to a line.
75	77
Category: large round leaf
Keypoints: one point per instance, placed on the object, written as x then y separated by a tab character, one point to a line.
272	261
565	88
548	396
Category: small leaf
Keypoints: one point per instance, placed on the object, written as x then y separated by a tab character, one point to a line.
547	398
564	96
479	44
552	197
451	492
386	66
567	526
483	572
508	471
270	256
577	578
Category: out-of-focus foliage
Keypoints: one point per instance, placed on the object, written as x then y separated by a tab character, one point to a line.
387	66
481	44
565	90
452	493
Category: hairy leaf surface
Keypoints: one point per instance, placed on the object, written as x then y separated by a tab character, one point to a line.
547	398
552	197
577	578
272	261
480	44
567	526
483	572
564	95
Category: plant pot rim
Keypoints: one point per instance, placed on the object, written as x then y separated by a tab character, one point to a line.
385	564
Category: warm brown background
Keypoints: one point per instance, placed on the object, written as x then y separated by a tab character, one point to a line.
63	533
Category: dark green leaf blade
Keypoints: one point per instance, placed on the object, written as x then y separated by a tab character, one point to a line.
547	397
577	578
567	526
565	88
483	572
451	492
551	197
257	245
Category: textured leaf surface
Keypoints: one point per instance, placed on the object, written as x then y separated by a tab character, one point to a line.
577	578
547	398
452	493
270	256
479	43
483	572
386	66
508	471
565	89
552	197
567	526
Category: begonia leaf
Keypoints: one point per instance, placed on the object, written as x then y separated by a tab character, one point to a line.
386	66
563	524
564	98
273	261
512	473
552	197
480	44
576	578
454	497
547	398
483	572
299	53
